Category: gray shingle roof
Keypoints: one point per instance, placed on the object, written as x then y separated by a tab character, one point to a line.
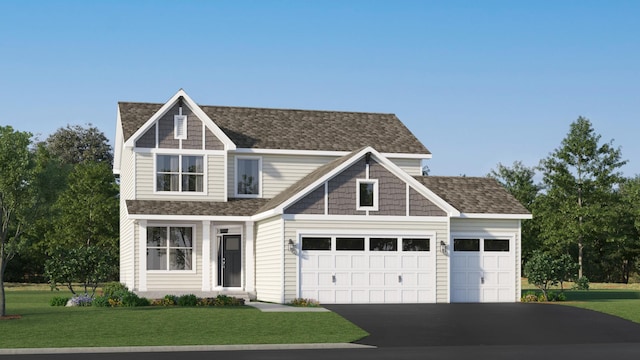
294	129
234	207
473	195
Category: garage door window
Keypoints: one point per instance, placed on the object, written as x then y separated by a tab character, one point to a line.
383	244
496	245
350	244
466	245
323	243
415	244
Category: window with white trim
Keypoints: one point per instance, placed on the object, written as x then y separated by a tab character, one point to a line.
180	173
248	177
170	248
367	194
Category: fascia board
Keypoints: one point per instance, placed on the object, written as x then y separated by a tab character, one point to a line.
118	144
495	216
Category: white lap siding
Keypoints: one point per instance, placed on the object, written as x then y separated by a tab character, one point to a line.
127	236
269	248
295	227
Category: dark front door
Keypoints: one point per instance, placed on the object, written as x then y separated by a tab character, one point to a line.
231	261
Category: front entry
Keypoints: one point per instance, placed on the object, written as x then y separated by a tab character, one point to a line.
230	261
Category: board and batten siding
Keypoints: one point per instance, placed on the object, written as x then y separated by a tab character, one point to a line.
494	226
176	280
127	239
268	245
145	180
412	167
295	227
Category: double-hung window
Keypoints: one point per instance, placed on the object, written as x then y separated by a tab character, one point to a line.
180	173
248	177
170	248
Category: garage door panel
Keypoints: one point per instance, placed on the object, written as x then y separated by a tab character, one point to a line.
410	279
358	262
376	262
409	262
326	296
325	279
427	280
324	261
391	279
310	278
343	261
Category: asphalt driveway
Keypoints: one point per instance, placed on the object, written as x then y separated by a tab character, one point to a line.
485	324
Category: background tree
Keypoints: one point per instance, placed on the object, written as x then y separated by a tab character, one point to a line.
17	198
579	179
76	144
519	181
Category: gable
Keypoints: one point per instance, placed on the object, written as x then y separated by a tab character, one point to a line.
161	133
338	195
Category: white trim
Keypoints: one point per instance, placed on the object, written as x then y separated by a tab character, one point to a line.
169	217
206	255
377	218
495	216
249	255
118	144
376	194
448	256
368	233
326	198
142	255
166	151
194	252
226	176
283	245
197	111
263	151
235	177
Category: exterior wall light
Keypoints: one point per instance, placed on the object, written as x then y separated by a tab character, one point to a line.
292	246
443	247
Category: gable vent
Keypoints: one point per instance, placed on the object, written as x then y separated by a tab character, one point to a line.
180	123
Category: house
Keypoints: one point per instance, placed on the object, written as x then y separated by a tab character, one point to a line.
282	204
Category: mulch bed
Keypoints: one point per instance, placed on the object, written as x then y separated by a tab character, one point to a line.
10	317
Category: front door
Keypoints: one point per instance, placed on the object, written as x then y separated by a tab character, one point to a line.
230	261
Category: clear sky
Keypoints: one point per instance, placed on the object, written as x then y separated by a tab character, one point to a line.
478	82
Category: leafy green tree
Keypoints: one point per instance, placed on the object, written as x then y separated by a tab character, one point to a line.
579	179
542	271
566	269
76	144
17	198
87	265
519	181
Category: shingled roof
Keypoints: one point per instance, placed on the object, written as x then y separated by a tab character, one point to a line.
261	128
234	207
474	195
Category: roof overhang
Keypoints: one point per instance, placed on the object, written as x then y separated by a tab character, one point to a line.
495	216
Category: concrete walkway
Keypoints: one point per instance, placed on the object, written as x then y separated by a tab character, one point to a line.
270	307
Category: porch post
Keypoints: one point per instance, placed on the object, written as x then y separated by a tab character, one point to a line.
206	255
142	255
249	264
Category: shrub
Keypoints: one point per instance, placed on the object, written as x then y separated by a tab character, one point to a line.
529	297
224	300
111	288
59	301
169	300
131	299
562	297
301	302
101	301
187	300
582	283
81	300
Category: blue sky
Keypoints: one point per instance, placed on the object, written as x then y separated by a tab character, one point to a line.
478	82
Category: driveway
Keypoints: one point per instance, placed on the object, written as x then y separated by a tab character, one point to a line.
485	324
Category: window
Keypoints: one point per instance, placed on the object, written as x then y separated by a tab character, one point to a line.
350	244
180	126
416	244
496	245
383	244
180	173
367	194
248	177
310	243
466	244
169	248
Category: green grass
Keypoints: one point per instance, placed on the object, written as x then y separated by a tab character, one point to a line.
621	300
44	326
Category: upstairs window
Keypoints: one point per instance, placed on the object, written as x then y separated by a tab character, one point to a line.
180	173
248	177
367	194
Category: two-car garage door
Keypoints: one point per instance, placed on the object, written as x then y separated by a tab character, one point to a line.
367	269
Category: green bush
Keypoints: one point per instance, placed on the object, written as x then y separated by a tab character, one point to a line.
529	297
187	300
224	300
582	283
59	301
562	297
113	287
301	302
101	301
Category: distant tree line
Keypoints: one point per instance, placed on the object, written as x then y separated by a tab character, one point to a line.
582	208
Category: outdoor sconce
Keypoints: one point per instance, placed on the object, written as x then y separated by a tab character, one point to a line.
292	246
443	247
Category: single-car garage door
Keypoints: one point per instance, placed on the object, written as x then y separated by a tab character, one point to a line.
367	269
483	270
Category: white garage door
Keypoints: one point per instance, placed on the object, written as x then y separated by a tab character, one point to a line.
367	269
483	270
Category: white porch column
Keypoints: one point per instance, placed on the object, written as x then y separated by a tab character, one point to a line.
142	255
250	264
206	255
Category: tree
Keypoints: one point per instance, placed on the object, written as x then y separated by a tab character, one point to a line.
17	198
87	265
518	180
579	179
541	271
76	144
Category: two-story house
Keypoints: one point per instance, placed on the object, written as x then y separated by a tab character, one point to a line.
281	204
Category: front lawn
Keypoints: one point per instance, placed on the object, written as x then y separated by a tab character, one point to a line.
44	326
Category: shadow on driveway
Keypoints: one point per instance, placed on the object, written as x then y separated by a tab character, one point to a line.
485	324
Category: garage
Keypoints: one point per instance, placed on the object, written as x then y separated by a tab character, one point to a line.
483	269
367	269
